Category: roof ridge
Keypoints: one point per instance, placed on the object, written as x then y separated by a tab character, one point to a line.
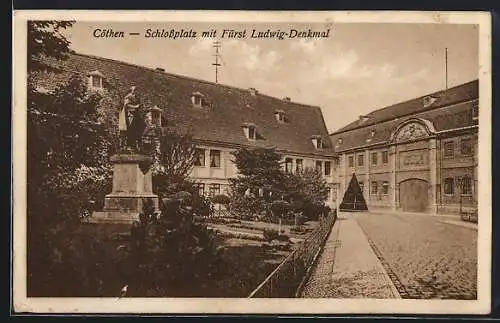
189	78
343	129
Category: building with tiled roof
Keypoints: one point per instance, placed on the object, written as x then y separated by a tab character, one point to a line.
419	155
220	118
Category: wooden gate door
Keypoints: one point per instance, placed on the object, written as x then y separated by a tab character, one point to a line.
413	195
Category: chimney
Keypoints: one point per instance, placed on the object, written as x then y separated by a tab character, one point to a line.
160	69
253	91
363	118
287	98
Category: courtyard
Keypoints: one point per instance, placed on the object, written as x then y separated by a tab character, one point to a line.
397	255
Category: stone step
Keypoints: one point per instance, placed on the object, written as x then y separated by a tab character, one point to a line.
113	217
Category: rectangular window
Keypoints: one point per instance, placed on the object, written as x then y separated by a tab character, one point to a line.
200	157
288	165
328	168
334	193
385	157
466	147
374	158
201	189
361	160
385	188
449	186
299	165
449	149
351	161
251	133
215	158
197	100
319	143
475	112
319	166
362	186
96	81
466	186
374	188
213	190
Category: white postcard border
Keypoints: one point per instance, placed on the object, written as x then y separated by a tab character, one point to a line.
22	303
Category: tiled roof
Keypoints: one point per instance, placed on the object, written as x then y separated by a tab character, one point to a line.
460	93
222	121
451	109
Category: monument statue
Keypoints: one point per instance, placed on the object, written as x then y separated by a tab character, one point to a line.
131	122
132	176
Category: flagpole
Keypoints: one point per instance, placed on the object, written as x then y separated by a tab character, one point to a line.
446	67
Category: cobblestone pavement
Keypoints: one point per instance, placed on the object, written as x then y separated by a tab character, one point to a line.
348	268
424	256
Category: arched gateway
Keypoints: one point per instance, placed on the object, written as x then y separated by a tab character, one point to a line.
414	195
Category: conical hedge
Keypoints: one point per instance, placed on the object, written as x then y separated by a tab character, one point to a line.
353	198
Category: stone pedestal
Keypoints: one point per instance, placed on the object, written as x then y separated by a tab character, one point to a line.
132	184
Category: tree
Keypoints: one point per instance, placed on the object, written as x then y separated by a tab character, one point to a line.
176	160
260	180
45	39
307	191
69	140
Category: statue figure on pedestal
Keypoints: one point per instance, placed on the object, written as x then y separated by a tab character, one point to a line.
131	123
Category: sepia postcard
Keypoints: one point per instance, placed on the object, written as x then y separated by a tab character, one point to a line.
223	162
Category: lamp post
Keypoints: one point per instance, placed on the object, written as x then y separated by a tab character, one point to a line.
461	183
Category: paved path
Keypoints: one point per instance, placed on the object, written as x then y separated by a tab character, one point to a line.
348	267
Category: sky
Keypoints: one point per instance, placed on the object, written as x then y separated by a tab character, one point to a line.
357	69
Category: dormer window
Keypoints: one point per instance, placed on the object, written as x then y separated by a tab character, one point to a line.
250	131
339	142
318	142
197	99
96	80
280	116
429	100
370	137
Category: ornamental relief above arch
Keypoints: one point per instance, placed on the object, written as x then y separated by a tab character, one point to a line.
413	130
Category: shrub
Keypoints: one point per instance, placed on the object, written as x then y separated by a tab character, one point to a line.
184	197
270	234
301	219
298	229
279	207
246	207
282	237
220	199
171	255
